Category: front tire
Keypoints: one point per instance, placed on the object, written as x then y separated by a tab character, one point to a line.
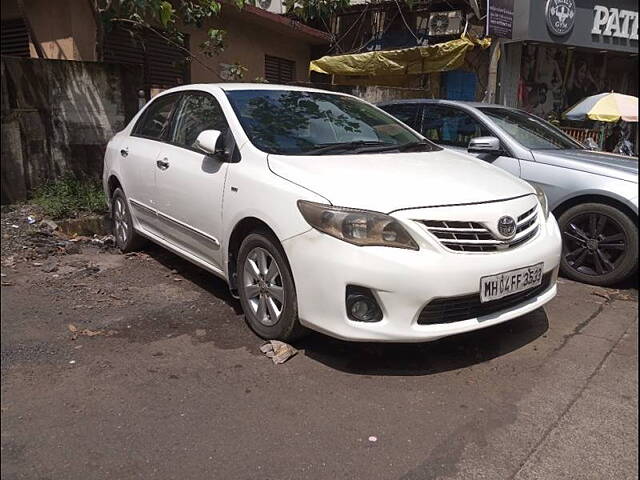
599	244
266	289
127	239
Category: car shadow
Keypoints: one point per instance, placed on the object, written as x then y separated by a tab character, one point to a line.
390	359
412	359
630	283
194	274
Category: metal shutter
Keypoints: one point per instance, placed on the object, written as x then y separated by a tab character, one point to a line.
164	64
279	70
15	38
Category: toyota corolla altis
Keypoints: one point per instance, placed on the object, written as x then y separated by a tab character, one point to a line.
322	211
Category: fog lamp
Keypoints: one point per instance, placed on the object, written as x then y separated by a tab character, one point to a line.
362	305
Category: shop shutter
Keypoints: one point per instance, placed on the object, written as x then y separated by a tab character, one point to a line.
165	65
460	85
15	38
279	70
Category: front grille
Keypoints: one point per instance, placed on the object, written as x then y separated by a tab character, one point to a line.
456	309
474	237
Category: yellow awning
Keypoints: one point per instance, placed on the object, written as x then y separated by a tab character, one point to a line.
407	61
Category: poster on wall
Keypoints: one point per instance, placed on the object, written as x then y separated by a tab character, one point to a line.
553	79
500	18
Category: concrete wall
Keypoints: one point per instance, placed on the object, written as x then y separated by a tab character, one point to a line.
57	117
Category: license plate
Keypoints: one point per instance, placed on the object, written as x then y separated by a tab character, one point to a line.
503	284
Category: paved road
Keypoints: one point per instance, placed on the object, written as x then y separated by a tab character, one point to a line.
161	379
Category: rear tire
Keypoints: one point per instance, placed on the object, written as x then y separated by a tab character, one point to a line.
127	240
599	244
266	289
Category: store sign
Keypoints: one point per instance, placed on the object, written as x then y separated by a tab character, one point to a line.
611	22
560	15
500	18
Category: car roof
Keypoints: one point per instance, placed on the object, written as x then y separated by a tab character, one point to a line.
430	101
229	87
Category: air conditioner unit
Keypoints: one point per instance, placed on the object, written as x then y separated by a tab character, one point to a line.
445	23
273	6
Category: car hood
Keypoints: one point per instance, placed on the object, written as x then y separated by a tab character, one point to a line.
600	163
392	181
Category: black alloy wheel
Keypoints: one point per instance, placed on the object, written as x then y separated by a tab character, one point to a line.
600	244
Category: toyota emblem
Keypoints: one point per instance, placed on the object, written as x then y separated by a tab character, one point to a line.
507	227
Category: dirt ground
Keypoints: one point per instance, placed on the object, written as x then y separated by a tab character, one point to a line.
140	366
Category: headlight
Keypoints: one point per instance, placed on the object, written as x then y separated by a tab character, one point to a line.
542	198
359	227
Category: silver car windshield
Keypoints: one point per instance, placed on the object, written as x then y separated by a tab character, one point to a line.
530	131
292	122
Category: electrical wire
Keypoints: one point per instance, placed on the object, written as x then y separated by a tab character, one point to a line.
406	24
338	40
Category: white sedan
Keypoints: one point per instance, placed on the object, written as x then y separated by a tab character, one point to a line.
321	211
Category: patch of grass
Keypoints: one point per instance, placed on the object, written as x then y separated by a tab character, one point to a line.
70	197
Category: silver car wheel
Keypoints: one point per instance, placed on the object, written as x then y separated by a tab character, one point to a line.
263	286
121	225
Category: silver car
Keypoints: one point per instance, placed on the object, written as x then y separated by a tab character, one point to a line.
594	195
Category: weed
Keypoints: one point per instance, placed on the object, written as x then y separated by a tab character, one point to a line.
69	197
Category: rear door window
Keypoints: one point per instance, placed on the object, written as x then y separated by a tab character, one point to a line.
154	123
450	126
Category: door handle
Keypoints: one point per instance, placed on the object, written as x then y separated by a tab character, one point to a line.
162	164
124	152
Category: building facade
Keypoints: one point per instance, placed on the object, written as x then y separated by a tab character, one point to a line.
268	45
388	26
565	50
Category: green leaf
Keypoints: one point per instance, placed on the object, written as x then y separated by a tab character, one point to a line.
166	13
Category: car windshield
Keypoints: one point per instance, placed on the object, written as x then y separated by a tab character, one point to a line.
530	131
291	122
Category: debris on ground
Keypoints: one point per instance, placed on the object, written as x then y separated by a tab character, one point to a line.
601	294
141	255
106	240
614	294
278	351
51	265
27	235
48	225
85	332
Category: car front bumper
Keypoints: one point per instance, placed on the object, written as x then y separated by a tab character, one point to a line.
405	281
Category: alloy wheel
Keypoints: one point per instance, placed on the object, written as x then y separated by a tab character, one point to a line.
120	222
594	243
263	286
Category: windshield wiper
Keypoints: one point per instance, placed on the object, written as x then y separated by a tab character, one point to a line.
405	147
417	146
345	146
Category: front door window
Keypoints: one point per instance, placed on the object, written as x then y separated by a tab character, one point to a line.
197	113
450	126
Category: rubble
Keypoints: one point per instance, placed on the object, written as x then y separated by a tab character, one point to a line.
48	226
28	236
278	352
76	332
51	265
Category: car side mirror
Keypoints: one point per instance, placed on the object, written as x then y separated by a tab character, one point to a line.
489	145
210	142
